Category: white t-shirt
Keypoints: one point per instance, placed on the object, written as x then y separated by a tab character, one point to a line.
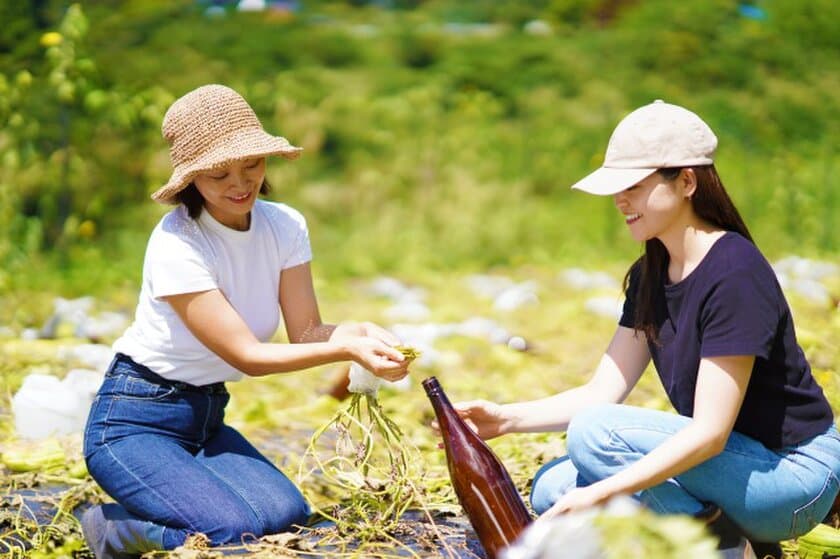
185	255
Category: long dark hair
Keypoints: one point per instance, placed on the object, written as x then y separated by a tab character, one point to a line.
712	204
194	201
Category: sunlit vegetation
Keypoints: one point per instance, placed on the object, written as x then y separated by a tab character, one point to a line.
440	141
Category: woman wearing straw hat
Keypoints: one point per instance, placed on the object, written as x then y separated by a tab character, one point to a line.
755	435
220	270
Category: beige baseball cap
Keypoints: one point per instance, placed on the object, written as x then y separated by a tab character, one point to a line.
656	136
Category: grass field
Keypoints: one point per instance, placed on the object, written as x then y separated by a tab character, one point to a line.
565	338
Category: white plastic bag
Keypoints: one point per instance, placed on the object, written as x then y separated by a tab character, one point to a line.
46	405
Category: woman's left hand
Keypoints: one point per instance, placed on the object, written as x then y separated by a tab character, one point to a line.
375	331
580	498
373	347
368	329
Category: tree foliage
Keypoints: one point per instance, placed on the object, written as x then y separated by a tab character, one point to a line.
421	121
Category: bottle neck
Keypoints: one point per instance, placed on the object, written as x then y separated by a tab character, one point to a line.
435	392
440	402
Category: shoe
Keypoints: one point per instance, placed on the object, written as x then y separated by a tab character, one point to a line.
740	551
764	550
112	533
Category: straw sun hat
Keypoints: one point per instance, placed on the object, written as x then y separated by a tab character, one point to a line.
211	127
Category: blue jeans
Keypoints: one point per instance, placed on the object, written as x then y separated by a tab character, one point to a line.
161	449
772	495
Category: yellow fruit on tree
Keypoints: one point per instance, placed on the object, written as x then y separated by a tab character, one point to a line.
96	100
23	78
66	92
87	229
51	39
16	120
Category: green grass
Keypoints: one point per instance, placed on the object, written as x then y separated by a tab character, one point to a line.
280	412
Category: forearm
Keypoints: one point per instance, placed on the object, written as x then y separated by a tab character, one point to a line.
553	413
260	359
685	449
721	386
617	373
314	333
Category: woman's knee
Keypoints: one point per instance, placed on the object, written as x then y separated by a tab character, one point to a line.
284	510
227	523
589	431
291	510
230	521
552	481
279	508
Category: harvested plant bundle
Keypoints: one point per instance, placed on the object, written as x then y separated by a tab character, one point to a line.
369	468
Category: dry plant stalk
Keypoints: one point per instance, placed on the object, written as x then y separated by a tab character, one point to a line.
369	471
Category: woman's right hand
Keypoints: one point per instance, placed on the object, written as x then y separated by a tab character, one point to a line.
376	356
487	419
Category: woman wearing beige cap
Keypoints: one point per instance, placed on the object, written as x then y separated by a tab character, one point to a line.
220	270
753	435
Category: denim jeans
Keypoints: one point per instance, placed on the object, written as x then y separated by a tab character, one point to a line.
772	495
161	449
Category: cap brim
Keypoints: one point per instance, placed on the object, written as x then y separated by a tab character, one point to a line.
607	181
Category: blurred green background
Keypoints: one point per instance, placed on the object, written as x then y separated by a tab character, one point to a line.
441	138
439	135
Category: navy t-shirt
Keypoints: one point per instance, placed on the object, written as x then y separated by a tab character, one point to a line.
732	304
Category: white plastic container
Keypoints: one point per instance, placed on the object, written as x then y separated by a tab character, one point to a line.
46	405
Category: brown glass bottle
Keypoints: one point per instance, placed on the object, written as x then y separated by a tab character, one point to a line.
484	488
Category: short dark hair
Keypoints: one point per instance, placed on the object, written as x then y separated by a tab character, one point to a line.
194	201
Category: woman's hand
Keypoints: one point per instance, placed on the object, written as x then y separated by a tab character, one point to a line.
380	333
487	419
372	347
366	329
580	498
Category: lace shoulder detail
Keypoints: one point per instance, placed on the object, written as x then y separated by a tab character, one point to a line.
179	228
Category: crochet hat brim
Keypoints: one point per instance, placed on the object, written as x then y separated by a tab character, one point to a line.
242	144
